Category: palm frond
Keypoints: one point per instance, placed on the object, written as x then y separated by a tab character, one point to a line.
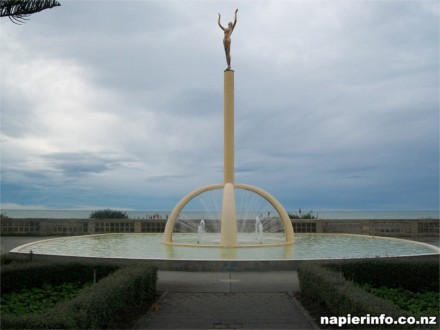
19	10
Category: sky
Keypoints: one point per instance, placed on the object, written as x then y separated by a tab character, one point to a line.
119	104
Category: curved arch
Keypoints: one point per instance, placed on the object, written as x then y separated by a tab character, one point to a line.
169	227
288	228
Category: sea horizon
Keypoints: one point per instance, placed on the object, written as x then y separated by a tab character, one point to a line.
149	214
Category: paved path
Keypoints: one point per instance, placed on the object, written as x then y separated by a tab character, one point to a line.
227	300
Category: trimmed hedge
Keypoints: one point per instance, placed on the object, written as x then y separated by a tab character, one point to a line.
108	214
343	297
414	275
18	276
5	260
97	307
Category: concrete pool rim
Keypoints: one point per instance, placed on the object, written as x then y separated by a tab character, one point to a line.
212	264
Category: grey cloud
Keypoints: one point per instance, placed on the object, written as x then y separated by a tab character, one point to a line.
336	102
79	163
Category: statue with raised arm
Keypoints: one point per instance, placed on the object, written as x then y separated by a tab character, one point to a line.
227	38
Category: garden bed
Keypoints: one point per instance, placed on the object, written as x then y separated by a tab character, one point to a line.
115	298
372	288
38	300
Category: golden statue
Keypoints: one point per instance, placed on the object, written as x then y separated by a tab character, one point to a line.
227	38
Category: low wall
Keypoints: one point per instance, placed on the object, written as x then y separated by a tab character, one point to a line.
60	227
206	265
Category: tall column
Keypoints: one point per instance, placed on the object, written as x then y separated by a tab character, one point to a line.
229	127
228	235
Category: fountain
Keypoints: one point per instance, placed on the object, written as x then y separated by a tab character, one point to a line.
200	230
259	229
228	217
229	243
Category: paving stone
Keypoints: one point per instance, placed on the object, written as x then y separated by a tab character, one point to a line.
255	310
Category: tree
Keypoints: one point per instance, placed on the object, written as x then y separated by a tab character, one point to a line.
308	215
19	10
108	214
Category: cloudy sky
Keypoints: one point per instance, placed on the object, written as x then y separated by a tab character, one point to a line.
120	103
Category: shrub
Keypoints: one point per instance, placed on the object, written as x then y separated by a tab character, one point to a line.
414	275
101	305
342	297
308	216
417	303
96	307
5	260
37	300
108	214
18	276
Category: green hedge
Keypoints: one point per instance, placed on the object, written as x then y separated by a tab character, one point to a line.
17	276
108	214
97	307
343	297
414	275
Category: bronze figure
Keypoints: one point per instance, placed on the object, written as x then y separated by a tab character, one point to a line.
227	38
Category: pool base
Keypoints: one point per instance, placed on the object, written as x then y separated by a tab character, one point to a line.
207	265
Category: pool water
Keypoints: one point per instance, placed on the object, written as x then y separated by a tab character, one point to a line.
150	246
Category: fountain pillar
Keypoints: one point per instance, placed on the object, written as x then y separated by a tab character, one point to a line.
228	235
228	135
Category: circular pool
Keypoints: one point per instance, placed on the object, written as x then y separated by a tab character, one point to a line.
148	246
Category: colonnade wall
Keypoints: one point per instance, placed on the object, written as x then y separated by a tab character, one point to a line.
61	227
